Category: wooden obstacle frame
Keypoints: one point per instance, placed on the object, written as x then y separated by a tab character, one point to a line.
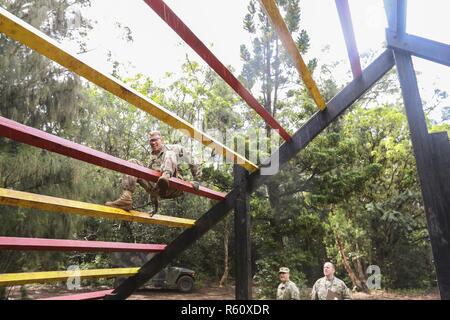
432	151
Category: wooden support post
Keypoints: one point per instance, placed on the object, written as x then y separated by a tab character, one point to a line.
242	236
427	152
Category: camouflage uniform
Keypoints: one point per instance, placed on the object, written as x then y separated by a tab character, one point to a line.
288	291
337	286
173	159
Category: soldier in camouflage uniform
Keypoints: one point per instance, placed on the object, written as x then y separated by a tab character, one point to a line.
167	159
330	287
287	290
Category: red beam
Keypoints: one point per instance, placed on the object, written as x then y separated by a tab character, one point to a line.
198	46
82	296
347	28
39	244
21	133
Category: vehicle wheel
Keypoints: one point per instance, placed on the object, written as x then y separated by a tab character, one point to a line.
185	284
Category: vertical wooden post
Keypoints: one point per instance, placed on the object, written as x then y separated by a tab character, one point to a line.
429	161
242	236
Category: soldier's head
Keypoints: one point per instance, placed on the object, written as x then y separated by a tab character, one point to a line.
156	141
284	274
328	269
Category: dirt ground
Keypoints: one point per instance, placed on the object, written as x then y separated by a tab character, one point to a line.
203	293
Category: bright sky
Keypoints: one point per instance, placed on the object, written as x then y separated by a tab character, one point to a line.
157	49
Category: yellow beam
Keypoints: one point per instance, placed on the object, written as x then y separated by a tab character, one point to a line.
20	31
12	279
278	23
46	203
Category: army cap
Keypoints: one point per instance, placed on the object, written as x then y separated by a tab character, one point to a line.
283	270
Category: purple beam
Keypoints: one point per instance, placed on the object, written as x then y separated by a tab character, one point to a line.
347	28
39	244
21	133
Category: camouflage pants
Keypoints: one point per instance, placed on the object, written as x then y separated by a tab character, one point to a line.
169	164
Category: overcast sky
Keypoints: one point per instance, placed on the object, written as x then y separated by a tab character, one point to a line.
157	49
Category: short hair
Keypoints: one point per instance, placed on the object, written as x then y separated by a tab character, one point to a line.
154	133
332	264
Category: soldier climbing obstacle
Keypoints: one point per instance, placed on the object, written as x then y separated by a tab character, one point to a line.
165	159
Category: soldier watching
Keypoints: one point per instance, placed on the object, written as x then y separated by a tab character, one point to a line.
330	287
287	290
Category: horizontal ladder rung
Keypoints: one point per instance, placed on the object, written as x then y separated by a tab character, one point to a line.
39	244
82	296
41	139
12	279
47	203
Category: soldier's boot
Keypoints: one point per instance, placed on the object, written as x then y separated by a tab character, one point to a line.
124	202
155	202
163	183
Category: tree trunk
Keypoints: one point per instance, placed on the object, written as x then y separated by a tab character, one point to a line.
226	269
361	285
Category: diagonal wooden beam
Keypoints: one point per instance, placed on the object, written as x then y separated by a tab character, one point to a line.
36	201
287	151
420	47
38	138
14	279
285	36
164	11
345	18
20	31
39	244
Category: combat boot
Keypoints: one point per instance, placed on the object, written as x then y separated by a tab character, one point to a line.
124	202
163	183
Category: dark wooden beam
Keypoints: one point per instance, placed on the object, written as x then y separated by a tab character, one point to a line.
427	161
420	47
287	151
242	259
396	15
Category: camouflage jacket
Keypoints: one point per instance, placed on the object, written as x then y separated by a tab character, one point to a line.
337	287
288	291
178	155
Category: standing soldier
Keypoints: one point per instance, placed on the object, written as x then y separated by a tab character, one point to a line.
287	290
166	159
330	287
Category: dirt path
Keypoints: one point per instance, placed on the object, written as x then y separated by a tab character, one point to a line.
210	293
203	293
